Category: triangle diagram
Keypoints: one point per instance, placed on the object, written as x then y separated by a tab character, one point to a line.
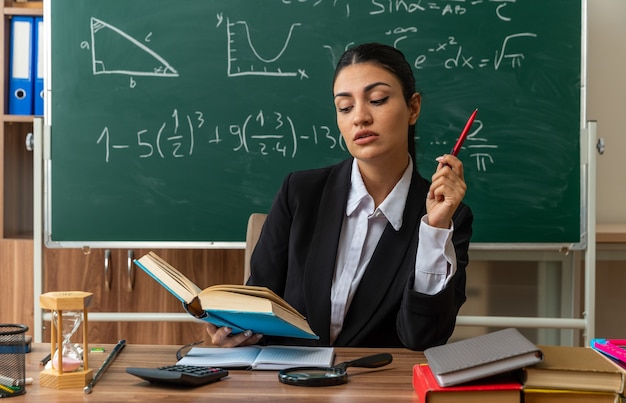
115	52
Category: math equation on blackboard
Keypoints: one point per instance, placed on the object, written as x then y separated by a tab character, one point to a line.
271	131
260	133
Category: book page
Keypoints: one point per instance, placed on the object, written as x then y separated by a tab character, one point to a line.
170	278
280	357
228	301
251	313
174	273
260	357
255	291
221	357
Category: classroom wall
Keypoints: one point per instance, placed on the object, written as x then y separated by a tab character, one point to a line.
606	102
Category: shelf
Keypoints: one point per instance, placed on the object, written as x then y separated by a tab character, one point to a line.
23	236
18	118
26	8
17	217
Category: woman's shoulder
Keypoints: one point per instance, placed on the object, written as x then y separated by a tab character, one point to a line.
339	169
309	187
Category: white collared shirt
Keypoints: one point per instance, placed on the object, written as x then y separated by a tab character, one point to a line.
362	228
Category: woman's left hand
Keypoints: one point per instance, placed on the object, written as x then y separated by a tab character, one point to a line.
223	337
446	191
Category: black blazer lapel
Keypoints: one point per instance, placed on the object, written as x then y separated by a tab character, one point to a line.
320	267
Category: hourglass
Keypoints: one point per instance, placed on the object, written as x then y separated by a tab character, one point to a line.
71	358
69	311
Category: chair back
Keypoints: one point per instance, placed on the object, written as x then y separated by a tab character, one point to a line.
255	223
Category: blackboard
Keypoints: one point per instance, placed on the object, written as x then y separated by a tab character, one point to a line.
173	121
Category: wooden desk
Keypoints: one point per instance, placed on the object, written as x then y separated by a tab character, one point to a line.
390	383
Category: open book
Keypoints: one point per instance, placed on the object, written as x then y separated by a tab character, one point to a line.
239	307
260	357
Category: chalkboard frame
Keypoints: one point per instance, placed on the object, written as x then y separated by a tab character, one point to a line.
51	241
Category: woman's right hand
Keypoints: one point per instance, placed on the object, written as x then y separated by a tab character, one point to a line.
223	337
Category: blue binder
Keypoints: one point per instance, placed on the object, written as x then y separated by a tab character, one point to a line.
21	88
38	62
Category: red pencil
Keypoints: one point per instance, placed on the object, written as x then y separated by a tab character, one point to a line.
459	142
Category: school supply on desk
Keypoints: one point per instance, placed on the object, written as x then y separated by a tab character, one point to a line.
15	346
481	356
237	306
105	365
45	360
20	98
503	388
569	396
329	376
183	375
574	368
28	341
12	359
614	348
259	357
618	364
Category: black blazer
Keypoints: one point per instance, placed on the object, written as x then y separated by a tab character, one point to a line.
296	252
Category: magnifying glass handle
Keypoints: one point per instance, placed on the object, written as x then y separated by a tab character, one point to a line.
371	361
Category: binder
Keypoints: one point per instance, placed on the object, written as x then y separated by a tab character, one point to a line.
38	62
21	88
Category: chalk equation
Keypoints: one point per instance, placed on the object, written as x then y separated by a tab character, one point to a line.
243	56
244	51
460	58
481	149
443	8
261	133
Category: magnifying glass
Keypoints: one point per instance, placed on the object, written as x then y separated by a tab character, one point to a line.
320	376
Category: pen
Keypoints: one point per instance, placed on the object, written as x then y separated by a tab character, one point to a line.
44	361
112	356
459	142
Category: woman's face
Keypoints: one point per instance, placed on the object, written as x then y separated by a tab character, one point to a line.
372	115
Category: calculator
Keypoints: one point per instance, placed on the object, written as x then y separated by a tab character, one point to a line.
186	375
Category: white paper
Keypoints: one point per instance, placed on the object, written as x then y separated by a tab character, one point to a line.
260	357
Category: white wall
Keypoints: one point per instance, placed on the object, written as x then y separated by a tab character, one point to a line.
606	102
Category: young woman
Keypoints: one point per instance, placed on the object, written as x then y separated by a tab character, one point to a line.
371	253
